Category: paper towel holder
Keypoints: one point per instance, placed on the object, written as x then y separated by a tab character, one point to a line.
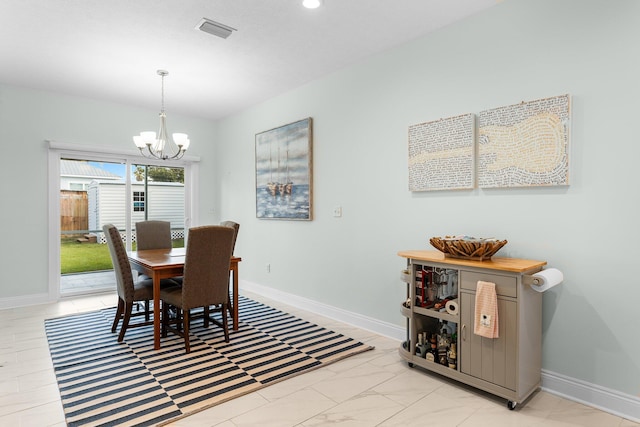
531	280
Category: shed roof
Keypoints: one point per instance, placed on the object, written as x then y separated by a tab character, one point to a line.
84	169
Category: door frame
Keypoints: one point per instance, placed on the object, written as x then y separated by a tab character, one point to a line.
58	150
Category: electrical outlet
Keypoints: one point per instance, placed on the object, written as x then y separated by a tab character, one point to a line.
337	212
268	268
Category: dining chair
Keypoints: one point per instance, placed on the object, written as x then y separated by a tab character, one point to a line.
129	292
236	228
205	281
153	234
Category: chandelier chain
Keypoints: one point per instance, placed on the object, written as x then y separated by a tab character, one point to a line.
162	96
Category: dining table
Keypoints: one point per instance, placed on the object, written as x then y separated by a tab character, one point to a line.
166	263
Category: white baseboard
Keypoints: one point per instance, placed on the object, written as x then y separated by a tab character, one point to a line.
611	401
381	328
24	301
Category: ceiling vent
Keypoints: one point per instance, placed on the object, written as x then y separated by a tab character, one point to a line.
215	28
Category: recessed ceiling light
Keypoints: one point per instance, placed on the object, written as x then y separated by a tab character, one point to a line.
311	4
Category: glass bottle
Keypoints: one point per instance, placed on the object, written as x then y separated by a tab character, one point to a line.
452	356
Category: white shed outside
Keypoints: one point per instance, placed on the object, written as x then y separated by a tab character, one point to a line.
162	200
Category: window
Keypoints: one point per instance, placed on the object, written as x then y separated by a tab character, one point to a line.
76	186
138	201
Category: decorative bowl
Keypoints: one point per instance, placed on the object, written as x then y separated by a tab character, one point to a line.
467	247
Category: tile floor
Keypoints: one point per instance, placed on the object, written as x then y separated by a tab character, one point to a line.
99	281
375	388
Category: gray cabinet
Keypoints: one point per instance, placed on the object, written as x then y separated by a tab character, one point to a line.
492	360
508	366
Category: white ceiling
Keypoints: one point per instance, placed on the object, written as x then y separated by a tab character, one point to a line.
111	49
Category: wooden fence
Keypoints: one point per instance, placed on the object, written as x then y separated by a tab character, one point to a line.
74	210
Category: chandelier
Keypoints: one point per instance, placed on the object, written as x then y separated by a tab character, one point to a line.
162	147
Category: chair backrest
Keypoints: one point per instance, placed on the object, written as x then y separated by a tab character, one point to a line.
120	261
153	234
206	266
236	227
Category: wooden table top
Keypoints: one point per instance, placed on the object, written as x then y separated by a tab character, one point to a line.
159	257
496	263
163	257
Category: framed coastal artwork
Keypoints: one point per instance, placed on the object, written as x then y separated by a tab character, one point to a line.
284	185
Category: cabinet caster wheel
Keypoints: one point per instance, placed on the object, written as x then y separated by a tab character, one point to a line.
410	365
511	405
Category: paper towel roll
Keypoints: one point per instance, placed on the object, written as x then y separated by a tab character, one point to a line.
547	279
452	307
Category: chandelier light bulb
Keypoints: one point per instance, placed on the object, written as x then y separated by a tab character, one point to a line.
148	137
181	140
139	142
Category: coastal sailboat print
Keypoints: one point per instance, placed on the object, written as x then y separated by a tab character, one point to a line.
288	185
272	186
279	187
283	172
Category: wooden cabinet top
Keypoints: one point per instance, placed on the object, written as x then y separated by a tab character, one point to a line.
496	263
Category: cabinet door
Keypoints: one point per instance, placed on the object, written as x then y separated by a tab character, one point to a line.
492	360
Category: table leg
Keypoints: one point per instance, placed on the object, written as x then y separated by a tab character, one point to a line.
235	296
156	312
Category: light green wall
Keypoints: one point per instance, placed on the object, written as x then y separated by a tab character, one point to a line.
519	50
27	119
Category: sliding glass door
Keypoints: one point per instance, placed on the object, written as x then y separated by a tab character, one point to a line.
94	192
158	193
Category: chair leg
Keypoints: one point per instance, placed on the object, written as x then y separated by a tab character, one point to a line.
146	311
225	325
206	316
185	321
125	321
165	319
119	311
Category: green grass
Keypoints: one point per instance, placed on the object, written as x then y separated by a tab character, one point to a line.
83	257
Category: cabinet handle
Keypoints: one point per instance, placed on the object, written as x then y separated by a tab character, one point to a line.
464	333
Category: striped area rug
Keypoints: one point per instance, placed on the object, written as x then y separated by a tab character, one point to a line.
106	383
